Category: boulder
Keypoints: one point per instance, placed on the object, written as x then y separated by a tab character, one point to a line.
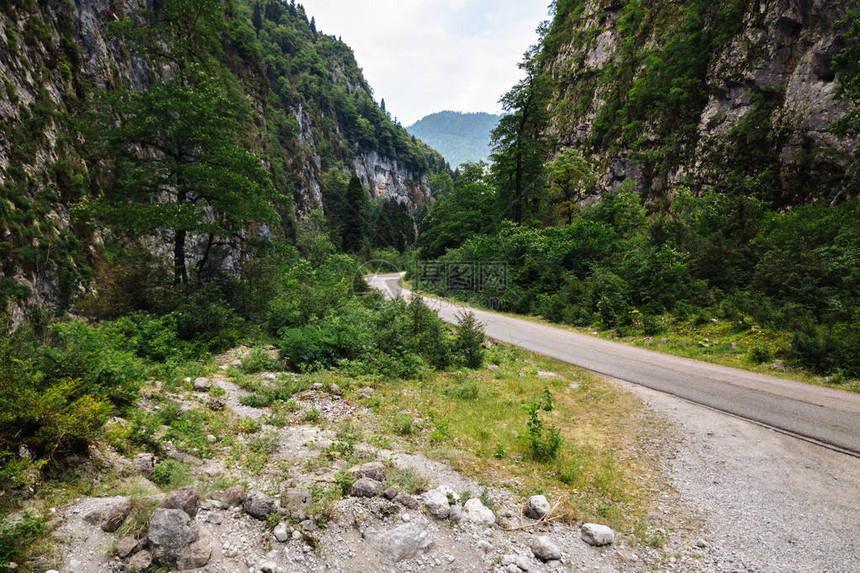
404	542
537	507
176	541
145	463
281	532
391	493
476	512
258	504
544	549
140	561
372	470
436	502
294	500
114	515
230	497
126	546
455	513
202	384
184	498
597	535
366	487
406	500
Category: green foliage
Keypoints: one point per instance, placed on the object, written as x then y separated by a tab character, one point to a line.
17	532
544	442
469	340
171	474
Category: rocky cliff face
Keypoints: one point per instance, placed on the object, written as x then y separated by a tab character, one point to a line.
737	94
314	113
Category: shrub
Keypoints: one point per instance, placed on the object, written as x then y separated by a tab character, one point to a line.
171	474
259	359
544	442
206	318
469	342
16	533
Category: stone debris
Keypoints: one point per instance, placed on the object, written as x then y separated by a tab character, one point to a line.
597	535
537	507
184	498
366	487
404	542
258	504
176	541
544	549
202	384
476	512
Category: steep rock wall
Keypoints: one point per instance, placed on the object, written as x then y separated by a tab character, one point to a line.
766	82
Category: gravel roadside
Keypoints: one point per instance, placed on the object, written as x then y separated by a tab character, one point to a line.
768	502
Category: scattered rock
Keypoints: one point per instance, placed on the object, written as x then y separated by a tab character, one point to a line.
366	487
335	389
126	546
177	541
281	532
493	367
140	561
537	507
258	504
230	497
372	470
390	493
145	463
544	549
215	405
436	502
365	393
477	512
202	384
317	386
405	542
115	515
184	498
598	535
406	500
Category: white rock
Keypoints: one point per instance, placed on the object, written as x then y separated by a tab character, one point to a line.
281	533
477	512
537	507
595	534
512	568
544	549
404	542
436	503
202	384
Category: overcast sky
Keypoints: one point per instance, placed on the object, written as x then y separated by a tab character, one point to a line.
424	56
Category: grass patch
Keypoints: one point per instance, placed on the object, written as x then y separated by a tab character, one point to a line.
574	436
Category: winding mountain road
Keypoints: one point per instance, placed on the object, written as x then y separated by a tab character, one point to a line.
821	415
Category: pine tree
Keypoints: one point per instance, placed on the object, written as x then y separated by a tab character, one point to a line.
354	227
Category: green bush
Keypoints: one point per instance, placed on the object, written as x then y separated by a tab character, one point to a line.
544	442
206	319
17	532
171	474
469	341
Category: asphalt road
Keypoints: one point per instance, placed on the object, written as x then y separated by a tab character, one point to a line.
823	415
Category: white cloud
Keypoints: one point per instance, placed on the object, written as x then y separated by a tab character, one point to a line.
424	56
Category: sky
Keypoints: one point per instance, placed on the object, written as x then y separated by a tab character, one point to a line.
424	56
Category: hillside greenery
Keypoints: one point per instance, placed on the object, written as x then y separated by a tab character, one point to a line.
459	137
735	253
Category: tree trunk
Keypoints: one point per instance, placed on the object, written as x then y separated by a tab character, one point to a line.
180	273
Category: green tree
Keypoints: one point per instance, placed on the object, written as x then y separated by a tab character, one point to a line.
847	64
519	145
354	231
570	179
180	166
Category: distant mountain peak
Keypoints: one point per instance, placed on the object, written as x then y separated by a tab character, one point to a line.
458	136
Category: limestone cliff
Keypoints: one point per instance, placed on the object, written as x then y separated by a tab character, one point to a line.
314	113
737	96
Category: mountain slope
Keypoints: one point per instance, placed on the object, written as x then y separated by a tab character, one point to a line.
459	137
304	107
735	96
